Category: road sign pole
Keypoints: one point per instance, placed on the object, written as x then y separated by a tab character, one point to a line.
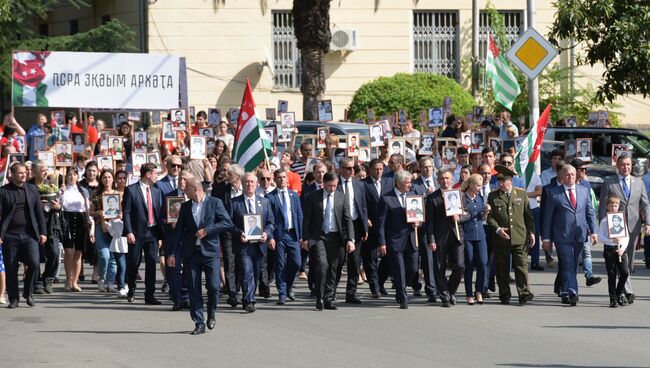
533	87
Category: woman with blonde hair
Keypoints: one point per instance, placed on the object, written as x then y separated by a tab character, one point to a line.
475	243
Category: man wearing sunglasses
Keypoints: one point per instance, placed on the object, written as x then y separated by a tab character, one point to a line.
169	182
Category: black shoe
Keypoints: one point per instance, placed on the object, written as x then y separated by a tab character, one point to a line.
487	295
211	322
573	300
152	301
432	299
403	305
29	300
232	301
48	285
630	298
352	299
291	295
565	300
265	294
198	330
82	278
375	295
319	304
613	303
445	303
250	308
177	307
281	301
537	268
164	288
12	304
452	300
417	293
185	305
330	306
504	300
526	298
647	263
593	280
39	291
623	300
383	291
130	297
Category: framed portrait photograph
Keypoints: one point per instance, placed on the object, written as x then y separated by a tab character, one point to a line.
155	118
116	147
214	116
270	134
583	149
18	157
270	113
447	105
179	119
466	139
478	141
414	209
402	115
48	159
284	136
321	136
571	121
603	117
134	115
436	117
497	146
283	106
478	112
616	227
453	204
288	120
119	118
40	143
154	158
168	133
376	135
518	142
338	154
253	227
104	162
353	144
469	118
371	115
325	111
617	150
103	136
388	130
78	142
364	154
137	160
422	118
58	116
140	141
396	146
570	149
111	205
592	118
206	132
198	147
173	204
63	152
192	114
449	154
22	147
234	115
426	143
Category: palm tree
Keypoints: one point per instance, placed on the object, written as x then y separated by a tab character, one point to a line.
311	21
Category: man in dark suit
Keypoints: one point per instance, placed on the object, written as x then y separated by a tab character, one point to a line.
142	208
397	238
328	233
286	235
319	171
226	191
355	194
569	219
23	229
196	234
376	187
251	251
170	181
445	238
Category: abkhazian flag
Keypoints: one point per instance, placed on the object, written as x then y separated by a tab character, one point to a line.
252	145
528	153
27	85
504	84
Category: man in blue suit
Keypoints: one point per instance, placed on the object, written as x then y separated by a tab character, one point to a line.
286	235
170	182
252	252
355	194
196	234
142	202
376	187
397	238
569	218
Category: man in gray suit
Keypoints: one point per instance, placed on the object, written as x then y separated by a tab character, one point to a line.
634	202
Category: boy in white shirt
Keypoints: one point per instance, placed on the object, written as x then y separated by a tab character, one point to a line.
615	257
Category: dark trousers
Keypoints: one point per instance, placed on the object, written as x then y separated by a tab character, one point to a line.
18	249
369	257
251	265
267	272
629	252
569	253
426	264
197	265
353	261
178	284
287	261
454	252
403	265
534	251
231	266
519	255
304	258
150	246
615	268
326	254
52	257
491	273
383	270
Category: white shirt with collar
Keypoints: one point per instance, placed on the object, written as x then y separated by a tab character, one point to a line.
401	198
573	189
349	191
235	193
628	181
197	212
333	226
285	193
377	184
249	203
431	182
173	181
144	188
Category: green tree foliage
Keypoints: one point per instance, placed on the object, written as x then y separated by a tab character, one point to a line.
615	33
413	92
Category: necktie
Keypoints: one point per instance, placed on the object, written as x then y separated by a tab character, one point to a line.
403	199
378	187
345	187
428	182
327	218
508	196
250	206
174	184
150	217
285	210
572	198
626	188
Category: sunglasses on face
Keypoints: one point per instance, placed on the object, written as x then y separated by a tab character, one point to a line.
177	166
348	168
506	163
265	178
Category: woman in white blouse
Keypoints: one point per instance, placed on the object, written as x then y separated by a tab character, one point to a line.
223	135
77	226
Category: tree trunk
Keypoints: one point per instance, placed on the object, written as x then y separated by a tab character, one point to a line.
313	81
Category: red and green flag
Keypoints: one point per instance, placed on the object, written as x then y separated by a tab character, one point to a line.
528	153
27	87
504	83
252	145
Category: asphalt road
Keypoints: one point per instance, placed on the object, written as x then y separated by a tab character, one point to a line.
92	329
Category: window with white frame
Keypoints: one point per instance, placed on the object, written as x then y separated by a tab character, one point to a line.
286	56
435	43
514	27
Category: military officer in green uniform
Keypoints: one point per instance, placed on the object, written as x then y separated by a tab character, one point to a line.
511	220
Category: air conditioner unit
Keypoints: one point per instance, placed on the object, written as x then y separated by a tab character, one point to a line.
344	39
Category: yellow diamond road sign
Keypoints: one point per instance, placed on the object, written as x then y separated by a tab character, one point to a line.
531	53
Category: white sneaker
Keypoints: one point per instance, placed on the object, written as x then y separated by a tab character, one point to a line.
101	286
122	293
3	300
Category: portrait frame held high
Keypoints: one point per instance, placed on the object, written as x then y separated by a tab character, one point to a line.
104	162
178	119
452	202
414	208
584	149
63	154
198	147
321	135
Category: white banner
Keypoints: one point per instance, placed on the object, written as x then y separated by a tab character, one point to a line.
95	80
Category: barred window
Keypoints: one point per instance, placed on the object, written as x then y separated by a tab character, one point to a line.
514	27
435	43
286	56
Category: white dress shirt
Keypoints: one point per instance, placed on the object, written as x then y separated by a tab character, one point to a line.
285	194
401	197
197	211
377	184
333	226
573	189
249	202
348	189
144	188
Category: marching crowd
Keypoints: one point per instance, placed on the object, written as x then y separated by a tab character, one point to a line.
306	215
